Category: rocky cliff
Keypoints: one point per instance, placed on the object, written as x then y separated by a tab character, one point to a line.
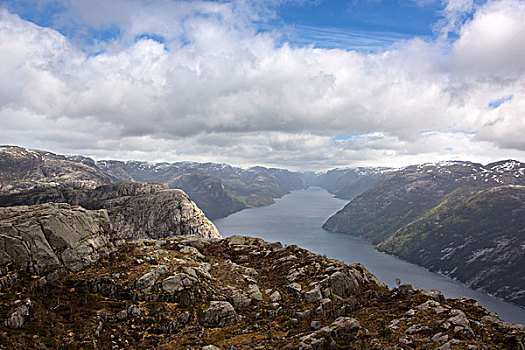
136	210
160	214
50	240
238	293
461	219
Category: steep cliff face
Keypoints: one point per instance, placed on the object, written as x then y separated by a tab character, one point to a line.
243	293
458	218
136	210
24	169
51	239
159	214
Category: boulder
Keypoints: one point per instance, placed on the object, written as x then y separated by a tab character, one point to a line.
315	325
149	278
134	311
218	314
255	292
294	288
407	289
18	317
461	324
15	321
342	284
275	296
241	300
313	295
210	347
343	325
177	282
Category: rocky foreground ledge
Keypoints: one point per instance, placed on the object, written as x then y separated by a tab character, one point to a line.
191	292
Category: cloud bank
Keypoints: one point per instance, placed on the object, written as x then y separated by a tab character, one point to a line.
200	81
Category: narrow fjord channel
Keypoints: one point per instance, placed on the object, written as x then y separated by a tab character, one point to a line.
297	219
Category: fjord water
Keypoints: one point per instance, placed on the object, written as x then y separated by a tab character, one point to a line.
297	219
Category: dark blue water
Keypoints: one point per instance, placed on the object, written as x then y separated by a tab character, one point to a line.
297	219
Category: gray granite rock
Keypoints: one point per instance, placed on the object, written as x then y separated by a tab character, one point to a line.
47	238
343	284
218	314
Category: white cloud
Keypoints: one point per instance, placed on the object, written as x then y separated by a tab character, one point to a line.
217	89
493	44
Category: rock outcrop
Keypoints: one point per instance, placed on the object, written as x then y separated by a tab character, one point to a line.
136	210
50	240
239	293
157	213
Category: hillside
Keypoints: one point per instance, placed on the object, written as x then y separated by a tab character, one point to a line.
479	241
422	213
24	169
201	293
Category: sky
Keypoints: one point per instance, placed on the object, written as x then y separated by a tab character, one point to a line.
298	84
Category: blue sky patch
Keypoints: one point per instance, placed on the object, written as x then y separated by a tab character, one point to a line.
340	137
495	104
154	37
360	25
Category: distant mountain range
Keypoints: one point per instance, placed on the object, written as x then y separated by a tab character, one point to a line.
348	183
461	219
218	189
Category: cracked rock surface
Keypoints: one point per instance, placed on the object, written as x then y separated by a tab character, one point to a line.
49	238
136	210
